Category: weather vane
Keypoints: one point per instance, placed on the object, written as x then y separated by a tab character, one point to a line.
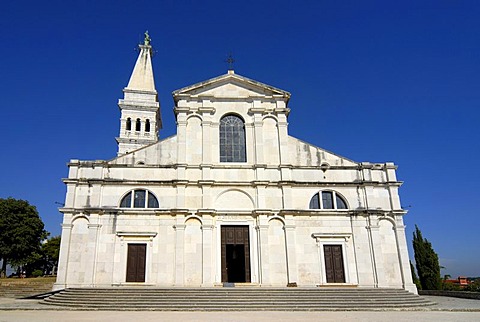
230	61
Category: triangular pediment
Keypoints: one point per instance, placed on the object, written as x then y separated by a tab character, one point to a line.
230	85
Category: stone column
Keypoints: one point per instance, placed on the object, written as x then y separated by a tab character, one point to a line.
62	270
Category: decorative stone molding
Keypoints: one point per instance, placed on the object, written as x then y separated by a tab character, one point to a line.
259	212
319	236
204	212
136	234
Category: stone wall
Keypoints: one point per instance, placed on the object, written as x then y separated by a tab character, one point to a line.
463	295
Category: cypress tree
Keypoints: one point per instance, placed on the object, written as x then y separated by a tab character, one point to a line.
427	264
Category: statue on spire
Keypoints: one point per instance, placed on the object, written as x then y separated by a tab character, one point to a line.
147	39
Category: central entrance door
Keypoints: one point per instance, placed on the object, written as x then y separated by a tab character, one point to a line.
136	259
334	263
235	254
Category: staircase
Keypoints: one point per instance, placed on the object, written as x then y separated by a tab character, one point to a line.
235	299
21	288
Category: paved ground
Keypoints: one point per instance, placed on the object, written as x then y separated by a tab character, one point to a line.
447	309
24	316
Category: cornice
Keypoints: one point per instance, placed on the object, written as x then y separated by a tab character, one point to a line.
240	212
213	183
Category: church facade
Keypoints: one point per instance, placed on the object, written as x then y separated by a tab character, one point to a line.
231	198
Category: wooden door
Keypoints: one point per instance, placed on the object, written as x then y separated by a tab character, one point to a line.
136	260
334	263
235	246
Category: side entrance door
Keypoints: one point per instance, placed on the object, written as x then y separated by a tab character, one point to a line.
334	263
235	254
136	259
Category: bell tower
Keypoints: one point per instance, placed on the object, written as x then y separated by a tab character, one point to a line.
140	120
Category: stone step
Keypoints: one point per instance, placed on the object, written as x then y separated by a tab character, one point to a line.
175	307
228	299
243	296
285	299
308	292
241	304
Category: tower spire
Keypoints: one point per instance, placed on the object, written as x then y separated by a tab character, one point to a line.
140	120
142	75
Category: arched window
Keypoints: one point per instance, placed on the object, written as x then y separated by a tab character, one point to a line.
139	198
147	125
129	124
137	125
232	139
327	200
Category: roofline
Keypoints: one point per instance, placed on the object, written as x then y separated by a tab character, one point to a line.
230	74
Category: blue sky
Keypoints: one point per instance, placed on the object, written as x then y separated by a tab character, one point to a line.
370	80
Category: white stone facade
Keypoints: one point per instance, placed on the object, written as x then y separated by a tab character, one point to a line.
216	222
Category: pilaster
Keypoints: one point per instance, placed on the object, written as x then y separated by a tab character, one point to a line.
283	139
404	260
378	268
62	272
258	133
250	138
181	137
290	241
362	251
179	250
207	260
206	137
92	249
263	262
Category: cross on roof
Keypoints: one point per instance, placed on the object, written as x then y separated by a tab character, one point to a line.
230	61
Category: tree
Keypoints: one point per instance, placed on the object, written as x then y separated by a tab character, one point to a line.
427	264
50	252
46	261
474	286
21	231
